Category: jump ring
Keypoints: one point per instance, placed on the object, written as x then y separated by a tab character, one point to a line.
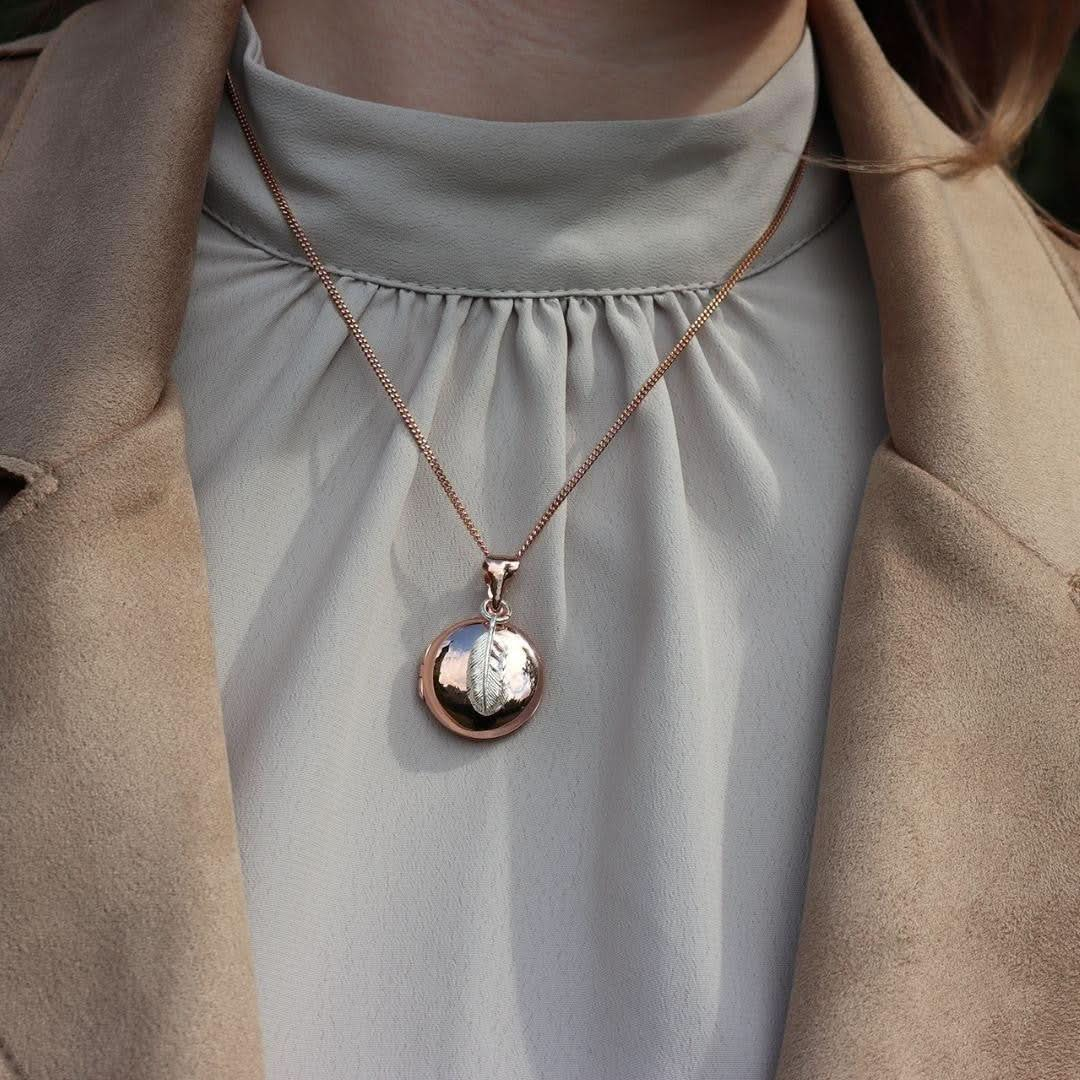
500	614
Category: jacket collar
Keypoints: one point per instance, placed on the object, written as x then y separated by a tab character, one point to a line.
978	399
102	168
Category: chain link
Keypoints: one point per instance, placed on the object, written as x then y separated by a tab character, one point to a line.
398	401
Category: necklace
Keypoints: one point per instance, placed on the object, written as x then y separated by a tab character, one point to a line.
482	677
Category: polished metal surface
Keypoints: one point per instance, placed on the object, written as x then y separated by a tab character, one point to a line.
498	570
516	670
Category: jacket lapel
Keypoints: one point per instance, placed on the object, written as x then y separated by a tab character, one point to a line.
937	937
939	930
123	943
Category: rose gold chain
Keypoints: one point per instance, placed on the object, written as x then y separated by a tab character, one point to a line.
399	402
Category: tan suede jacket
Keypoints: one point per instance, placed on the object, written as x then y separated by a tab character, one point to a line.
941	931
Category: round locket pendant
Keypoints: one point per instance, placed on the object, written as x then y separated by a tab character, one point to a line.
482	678
481	683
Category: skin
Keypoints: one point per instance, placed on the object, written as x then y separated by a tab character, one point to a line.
531	60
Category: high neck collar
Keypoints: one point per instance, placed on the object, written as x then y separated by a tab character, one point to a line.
447	203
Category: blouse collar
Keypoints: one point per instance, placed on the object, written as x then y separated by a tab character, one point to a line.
447	203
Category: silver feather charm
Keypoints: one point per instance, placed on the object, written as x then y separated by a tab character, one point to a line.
487	672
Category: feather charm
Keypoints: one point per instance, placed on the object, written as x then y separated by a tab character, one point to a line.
487	672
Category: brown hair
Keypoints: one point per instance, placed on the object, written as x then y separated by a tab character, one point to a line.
986	67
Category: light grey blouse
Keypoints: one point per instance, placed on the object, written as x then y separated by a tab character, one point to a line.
613	891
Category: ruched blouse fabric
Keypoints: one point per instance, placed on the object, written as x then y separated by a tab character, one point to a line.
613	892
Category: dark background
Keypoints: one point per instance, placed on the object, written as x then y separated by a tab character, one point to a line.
1049	167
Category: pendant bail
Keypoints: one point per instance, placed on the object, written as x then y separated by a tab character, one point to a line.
498	570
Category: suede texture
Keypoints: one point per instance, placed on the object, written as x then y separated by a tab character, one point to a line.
940	930
124	947
102	167
981	349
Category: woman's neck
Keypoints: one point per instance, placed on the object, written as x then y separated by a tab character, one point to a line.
532	60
